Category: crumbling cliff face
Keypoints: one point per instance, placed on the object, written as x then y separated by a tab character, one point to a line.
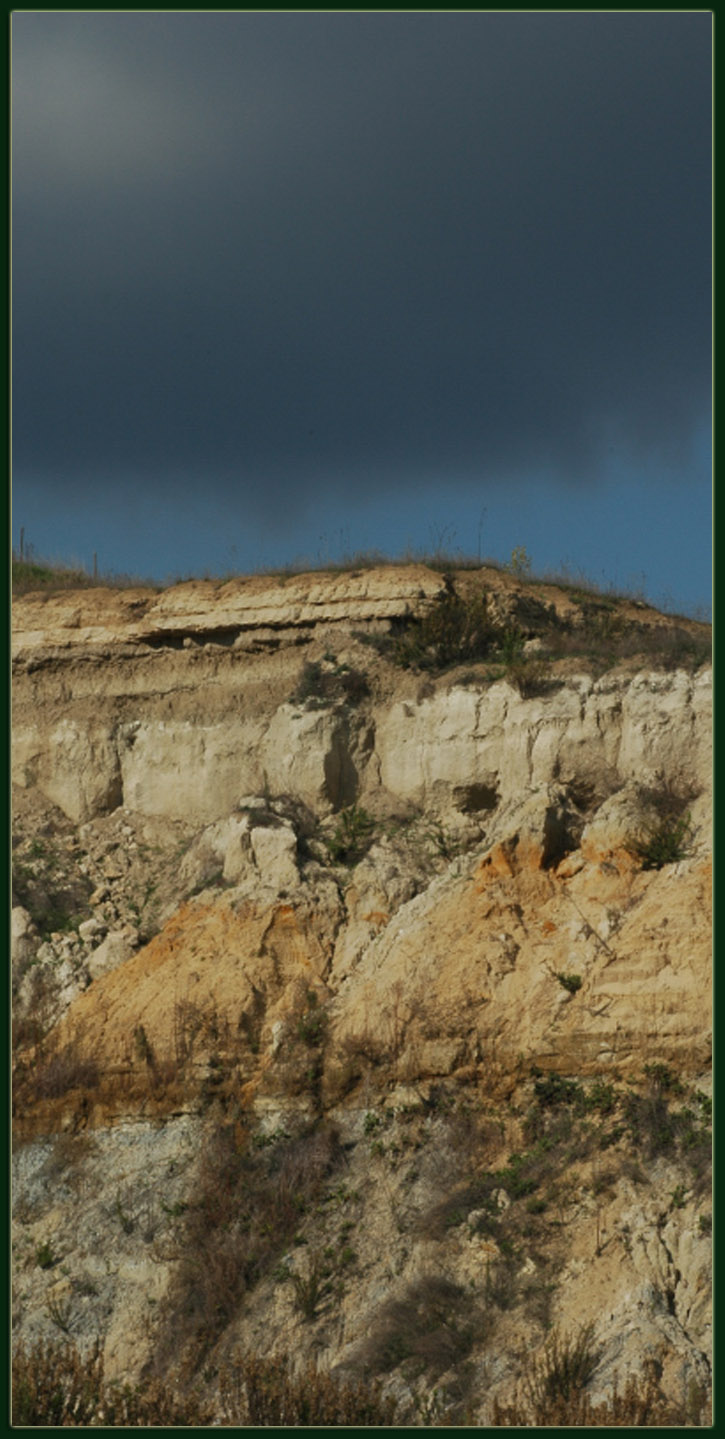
416	955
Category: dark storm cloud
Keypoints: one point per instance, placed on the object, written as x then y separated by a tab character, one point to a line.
275	249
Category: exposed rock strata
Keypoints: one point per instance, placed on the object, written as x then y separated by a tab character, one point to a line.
233	957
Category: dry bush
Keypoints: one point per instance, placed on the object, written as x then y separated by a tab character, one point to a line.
257	1391
198	1064
152	1405
53	1072
502	1278
302	1045
604	636
53	1385
68	1155
531	677
467	1134
671	647
431	1326
354	1058
475	1193
248	1205
196	1025
564	1369
39	1006
464	1140
66	1070
639	1406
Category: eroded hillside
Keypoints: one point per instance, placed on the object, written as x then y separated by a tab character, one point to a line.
361	978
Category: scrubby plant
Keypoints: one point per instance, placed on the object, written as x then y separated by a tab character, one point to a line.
310	689
59	1312
125	1220
312	1023
501	1286
442	843
66	1158
371	1122
303	1044
520	563
510	647
143	1048
311	1286
29	575
552	1090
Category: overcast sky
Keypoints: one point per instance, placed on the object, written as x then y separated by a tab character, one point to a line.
288	285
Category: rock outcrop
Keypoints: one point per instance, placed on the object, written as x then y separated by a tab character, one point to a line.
269	882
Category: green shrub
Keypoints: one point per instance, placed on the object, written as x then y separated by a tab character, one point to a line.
44	1256
669	836
521	1176
510	645
452	631
572	983
666	842
352	836
551	1090
320	687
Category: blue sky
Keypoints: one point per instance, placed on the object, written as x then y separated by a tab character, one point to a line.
291	286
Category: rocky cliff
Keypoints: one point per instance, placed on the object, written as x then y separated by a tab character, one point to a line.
362	972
